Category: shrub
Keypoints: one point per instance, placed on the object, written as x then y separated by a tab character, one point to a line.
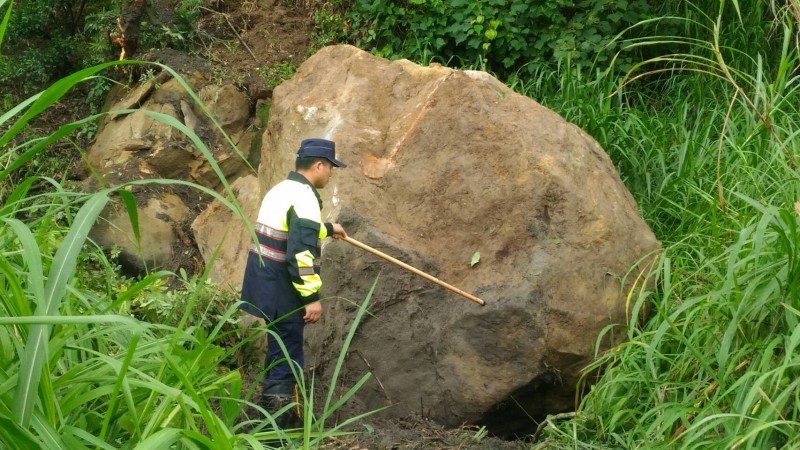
499	35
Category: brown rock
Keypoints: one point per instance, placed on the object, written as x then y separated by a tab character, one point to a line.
138	146
444	164
157	220
218	229
228	104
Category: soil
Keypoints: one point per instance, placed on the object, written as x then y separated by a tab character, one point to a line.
255	37
415	433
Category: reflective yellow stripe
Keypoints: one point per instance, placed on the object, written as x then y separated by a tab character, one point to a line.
310	285
305	259
311	280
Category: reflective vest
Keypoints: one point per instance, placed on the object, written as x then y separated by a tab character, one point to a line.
289	229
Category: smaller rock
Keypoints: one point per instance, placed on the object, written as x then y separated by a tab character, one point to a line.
228	104
158	219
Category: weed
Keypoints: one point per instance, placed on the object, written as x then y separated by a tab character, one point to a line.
277	73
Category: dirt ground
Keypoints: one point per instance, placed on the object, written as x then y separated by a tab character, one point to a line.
415	433
255	37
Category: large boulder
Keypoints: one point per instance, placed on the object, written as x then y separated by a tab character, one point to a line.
447	165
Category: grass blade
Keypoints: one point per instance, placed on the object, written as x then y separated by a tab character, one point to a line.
118	386
130	205
35	354
41	144
7	16
31	255
160	440
15	437
52	94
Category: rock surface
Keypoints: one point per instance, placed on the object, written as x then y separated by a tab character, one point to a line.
218	229
138	146
159	238
446	165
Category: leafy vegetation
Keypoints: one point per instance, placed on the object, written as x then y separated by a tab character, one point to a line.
497	35
48	39
277	73
709	153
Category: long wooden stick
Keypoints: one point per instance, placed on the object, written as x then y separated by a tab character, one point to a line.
414	270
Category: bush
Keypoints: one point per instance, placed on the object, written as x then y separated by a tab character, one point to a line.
499	35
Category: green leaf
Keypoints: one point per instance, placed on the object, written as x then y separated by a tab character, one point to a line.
130	205
66	259
162	439
14	436
476	258
31	255
7	16
51	95
327	410
71	320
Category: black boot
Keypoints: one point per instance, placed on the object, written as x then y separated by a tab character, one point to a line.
277	395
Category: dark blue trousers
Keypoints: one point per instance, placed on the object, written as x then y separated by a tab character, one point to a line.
268	292
279	380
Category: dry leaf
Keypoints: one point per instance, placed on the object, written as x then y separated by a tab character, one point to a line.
476	257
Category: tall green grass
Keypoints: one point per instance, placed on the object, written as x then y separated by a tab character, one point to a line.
706	140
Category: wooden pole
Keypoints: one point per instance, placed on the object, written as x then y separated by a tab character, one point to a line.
414	270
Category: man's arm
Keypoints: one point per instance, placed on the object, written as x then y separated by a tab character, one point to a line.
302	255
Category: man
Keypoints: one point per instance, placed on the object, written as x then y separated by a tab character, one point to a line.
282	277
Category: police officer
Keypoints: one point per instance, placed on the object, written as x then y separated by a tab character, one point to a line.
282	277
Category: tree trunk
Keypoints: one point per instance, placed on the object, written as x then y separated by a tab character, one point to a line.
128	23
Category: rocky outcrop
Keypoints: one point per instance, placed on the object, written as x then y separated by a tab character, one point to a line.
446	165
146	144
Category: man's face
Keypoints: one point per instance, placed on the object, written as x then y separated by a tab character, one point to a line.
323	171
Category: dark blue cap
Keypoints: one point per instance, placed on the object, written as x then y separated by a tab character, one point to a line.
320	148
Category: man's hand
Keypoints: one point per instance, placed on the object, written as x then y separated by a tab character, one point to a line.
313	312
338	231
